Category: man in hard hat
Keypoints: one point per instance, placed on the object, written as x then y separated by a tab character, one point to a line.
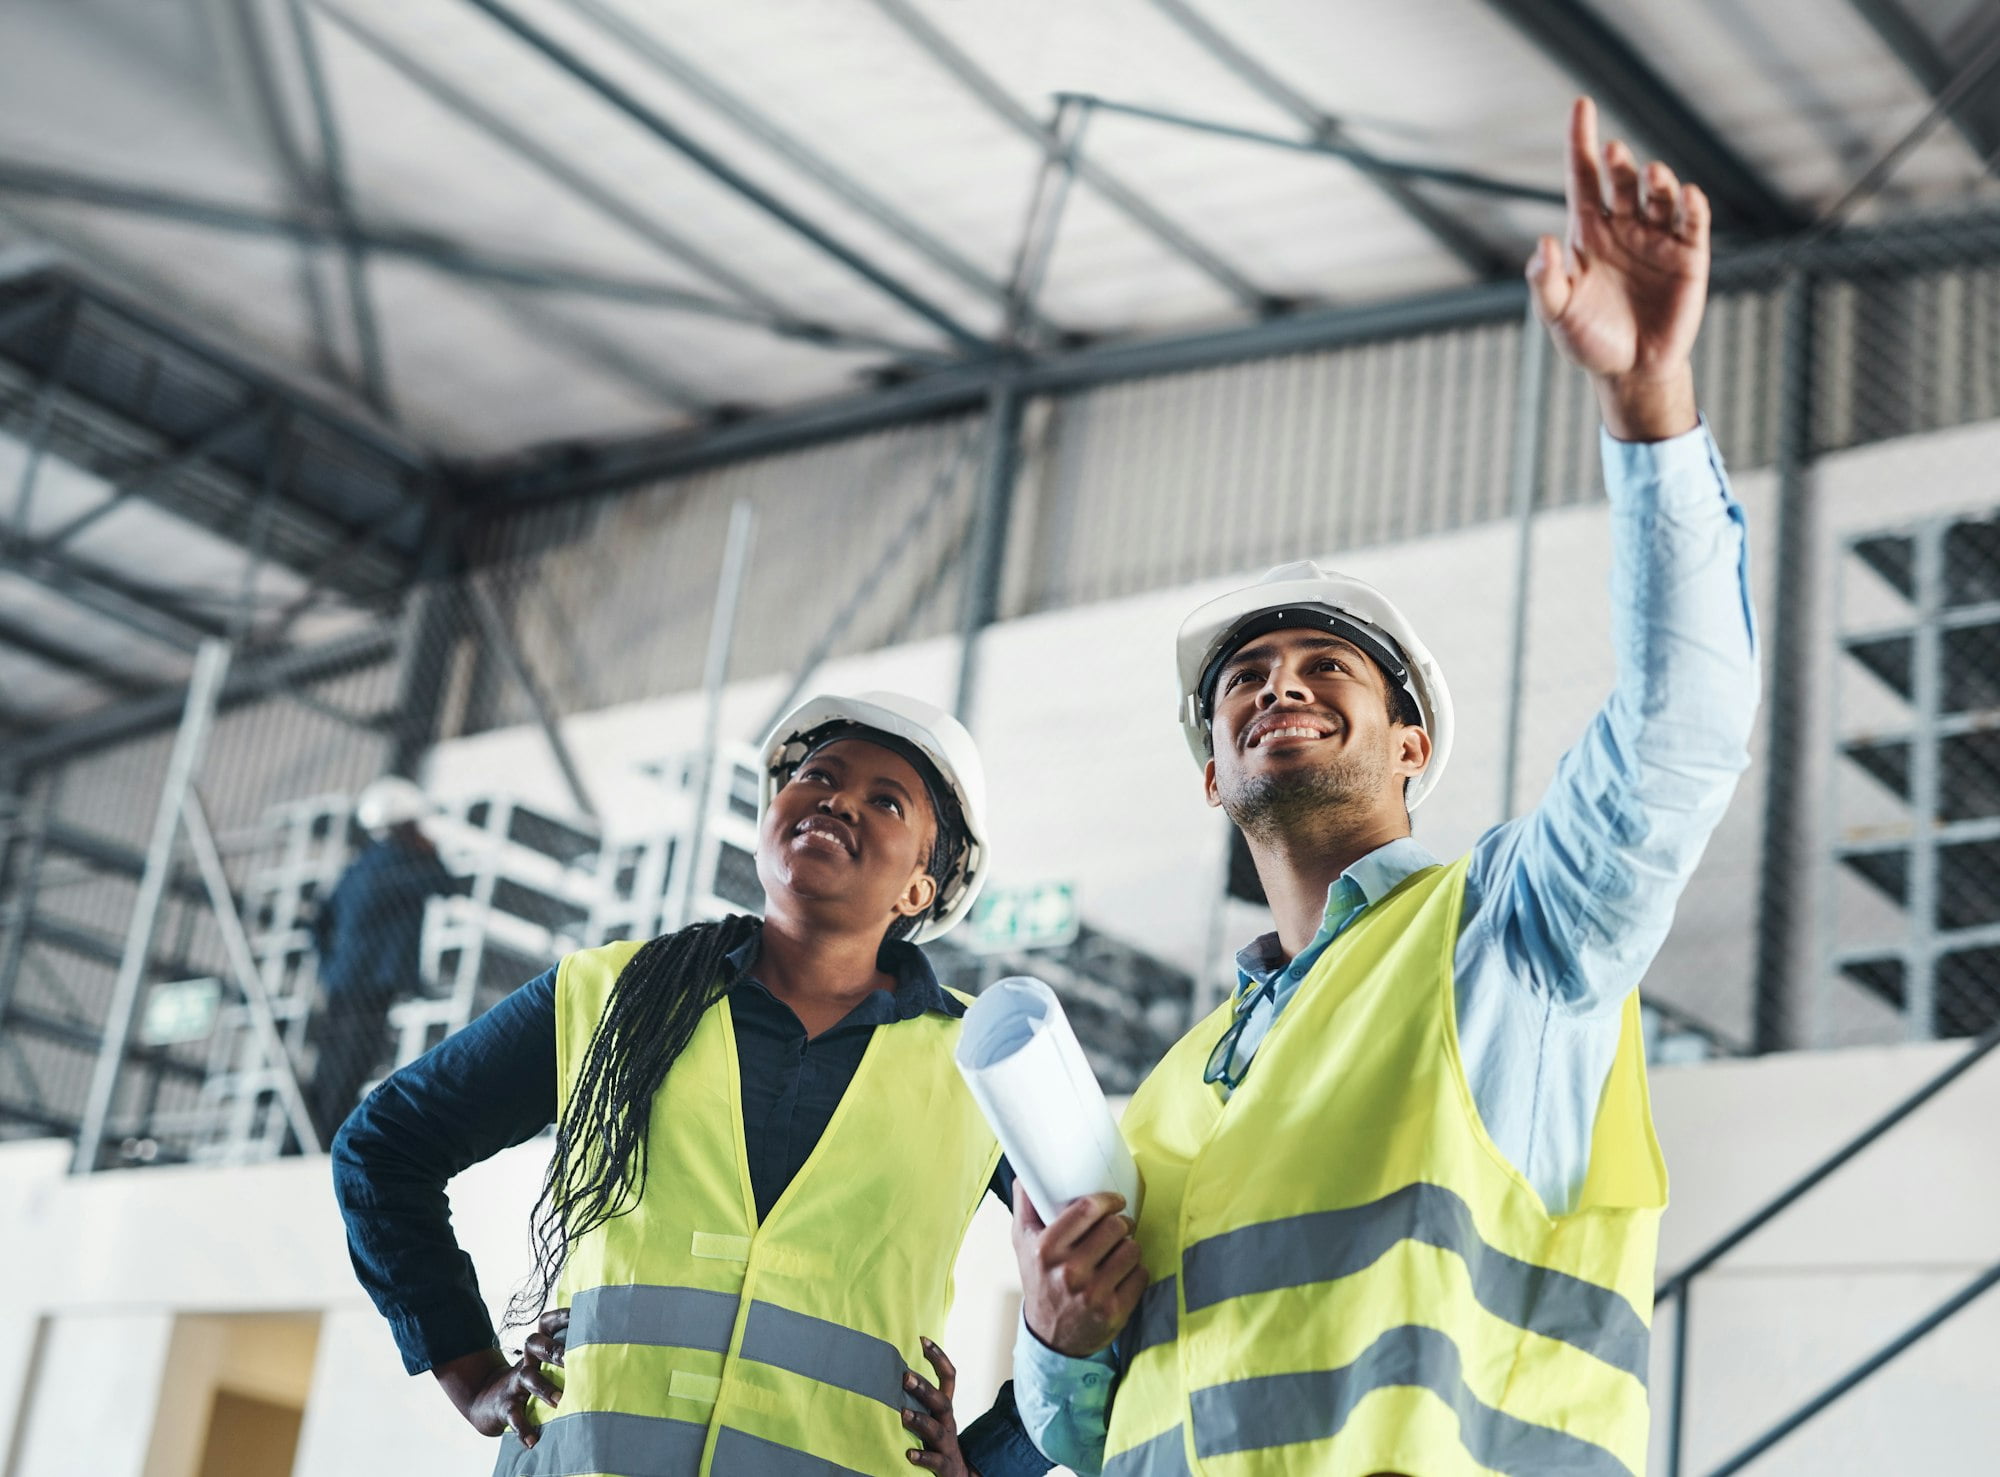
368	935
1401	1194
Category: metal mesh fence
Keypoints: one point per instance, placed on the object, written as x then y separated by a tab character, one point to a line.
1851	895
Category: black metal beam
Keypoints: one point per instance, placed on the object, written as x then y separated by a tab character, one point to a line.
199	450
250	677
149	613
1473	251
107	854
1931	245
1977	114
1600	60
1457	179
645	43
332	185
427	248
84	1037
720	169
36	642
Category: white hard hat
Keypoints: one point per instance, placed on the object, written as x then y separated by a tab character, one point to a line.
1352	607
390	802
932	732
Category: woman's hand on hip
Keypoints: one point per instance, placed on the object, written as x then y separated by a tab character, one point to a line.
935	1425
492	1394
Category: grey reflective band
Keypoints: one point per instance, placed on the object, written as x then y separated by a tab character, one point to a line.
685	1317
1281	1409
1163	1456
739	1454
831	1353
606	1441
1300	1250
1157	1321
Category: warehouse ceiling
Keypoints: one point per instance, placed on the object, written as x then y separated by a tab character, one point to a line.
367	245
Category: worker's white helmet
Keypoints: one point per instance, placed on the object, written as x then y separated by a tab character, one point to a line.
390	802
935	735
1305	594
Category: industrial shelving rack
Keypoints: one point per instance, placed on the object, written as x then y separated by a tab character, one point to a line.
1938	862
297	855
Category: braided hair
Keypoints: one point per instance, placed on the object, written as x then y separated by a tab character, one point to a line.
599	1166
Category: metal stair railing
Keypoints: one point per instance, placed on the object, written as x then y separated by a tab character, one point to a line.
1679	1285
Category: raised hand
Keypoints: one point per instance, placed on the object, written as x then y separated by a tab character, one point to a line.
1622	293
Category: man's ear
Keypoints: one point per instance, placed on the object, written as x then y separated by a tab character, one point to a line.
1413	751
918	896
1208	784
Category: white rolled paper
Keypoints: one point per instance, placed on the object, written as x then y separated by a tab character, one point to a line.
1029	1076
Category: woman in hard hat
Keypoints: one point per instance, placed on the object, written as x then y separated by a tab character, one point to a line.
764	1156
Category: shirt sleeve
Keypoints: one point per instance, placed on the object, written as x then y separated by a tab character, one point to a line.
1064	1403
997	1445
480	1090
1578	894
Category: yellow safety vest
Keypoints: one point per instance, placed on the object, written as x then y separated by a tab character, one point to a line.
1349	1278
703	1342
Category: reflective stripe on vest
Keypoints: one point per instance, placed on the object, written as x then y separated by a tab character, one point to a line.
695	1318
1340	1251
1279	1409
601	1441
706	1339
1304	1249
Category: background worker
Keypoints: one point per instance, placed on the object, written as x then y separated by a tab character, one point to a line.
750	1109
368	935
1402	1192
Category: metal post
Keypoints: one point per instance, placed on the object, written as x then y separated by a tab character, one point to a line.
715	674
1677	1410
277	458
494	626
24	869
1044	219
989	541
44	422
870	581
1926	768
1531	414
243	964
211	666
1776	1014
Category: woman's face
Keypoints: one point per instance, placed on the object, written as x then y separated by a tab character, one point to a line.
850	835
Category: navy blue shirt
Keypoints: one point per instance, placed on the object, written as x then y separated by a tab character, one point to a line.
368	929
493	1085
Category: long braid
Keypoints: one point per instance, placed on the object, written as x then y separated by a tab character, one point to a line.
599	1166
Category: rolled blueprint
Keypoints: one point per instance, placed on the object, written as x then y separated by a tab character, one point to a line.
1029	1076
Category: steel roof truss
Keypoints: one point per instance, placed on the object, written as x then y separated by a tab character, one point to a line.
1977	114
674	137
1135	206
148	477
1599	59
1472	251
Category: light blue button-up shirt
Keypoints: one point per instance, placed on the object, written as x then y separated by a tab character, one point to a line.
1566	906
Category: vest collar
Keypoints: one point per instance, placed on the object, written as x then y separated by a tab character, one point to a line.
917	989
1375	875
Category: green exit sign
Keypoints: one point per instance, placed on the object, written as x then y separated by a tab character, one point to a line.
1008	919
